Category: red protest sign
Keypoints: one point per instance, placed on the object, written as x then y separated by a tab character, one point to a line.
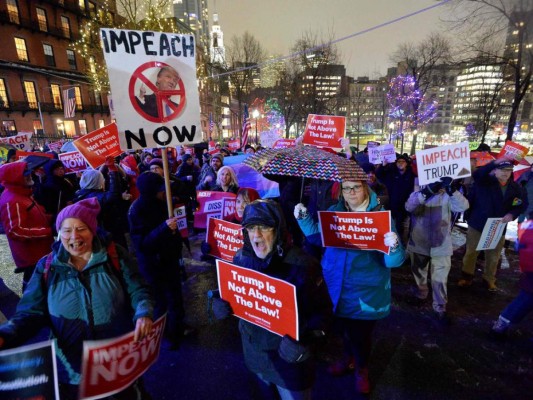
111	365
23	154
181	213
284	143
211	205
234	145
513	150
56	146
211	146
260	299
225	238
99	144
324	130
73	161
355	230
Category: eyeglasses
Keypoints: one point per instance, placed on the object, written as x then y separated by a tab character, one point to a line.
260	228
354	189
66	233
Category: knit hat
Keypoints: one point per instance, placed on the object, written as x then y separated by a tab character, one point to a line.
404	157
156	161
92	179
185	157
85	210
367	167
219	156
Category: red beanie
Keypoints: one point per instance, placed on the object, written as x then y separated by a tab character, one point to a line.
85	210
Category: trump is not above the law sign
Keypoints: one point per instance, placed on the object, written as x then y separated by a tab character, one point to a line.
513	151
111	365
355	230
452	161
324	131
224	238
153	82
260	299
99	144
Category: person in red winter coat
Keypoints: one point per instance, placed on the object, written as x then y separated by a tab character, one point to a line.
27	226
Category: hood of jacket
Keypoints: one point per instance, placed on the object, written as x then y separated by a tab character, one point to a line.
269	213
12	174
50	166
150	183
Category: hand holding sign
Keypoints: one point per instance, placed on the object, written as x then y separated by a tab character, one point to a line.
143	326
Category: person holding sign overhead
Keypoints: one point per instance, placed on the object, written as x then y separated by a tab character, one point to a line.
281	362
359	281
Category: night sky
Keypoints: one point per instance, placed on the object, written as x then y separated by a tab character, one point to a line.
277	24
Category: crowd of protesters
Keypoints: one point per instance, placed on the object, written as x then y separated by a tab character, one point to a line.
340	292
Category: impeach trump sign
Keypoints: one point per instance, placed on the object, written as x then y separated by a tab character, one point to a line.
452	161
260	299
355	230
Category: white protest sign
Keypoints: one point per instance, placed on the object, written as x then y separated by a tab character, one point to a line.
20	141
438	162
154	87
268	138
491	235
376	155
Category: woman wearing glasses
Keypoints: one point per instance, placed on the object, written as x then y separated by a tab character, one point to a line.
358	280
281	363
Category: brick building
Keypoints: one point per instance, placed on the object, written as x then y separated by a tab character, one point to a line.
38	62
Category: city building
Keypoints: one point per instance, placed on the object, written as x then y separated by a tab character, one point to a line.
195	15
39	63
217	50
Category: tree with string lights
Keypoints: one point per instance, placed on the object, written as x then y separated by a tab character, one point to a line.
408	107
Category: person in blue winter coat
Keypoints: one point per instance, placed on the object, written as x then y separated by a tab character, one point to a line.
79	295
359	281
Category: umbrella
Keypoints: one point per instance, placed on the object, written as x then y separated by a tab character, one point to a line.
68	146
306	162
4	149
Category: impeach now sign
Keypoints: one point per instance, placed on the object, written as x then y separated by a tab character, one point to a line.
73	162
452	161
213	205
260	299
355	230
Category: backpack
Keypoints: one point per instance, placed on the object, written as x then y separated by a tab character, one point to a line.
111	252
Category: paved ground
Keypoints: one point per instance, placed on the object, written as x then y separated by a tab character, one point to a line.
412	358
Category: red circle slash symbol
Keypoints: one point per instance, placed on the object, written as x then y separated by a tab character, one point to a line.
157	107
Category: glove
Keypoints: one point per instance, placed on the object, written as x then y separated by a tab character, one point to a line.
431	189
292	351
221	308
110	164
452	187
300	211
391	239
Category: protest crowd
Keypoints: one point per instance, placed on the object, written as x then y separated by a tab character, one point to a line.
117	264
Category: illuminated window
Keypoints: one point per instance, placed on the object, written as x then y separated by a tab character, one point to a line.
49	55
4	101
83	126
37	127
31	93
65	26
97	98
9	127
13	11
71	56
22	52
56	96
79	104
41	19
82	4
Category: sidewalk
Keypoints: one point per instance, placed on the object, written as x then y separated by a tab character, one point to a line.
412	358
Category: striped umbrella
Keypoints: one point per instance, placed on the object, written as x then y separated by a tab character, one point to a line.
306	162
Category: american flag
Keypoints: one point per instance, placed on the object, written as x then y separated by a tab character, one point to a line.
69	102
246	127
211	122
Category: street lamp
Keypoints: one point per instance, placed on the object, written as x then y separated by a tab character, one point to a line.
391	127
255	115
